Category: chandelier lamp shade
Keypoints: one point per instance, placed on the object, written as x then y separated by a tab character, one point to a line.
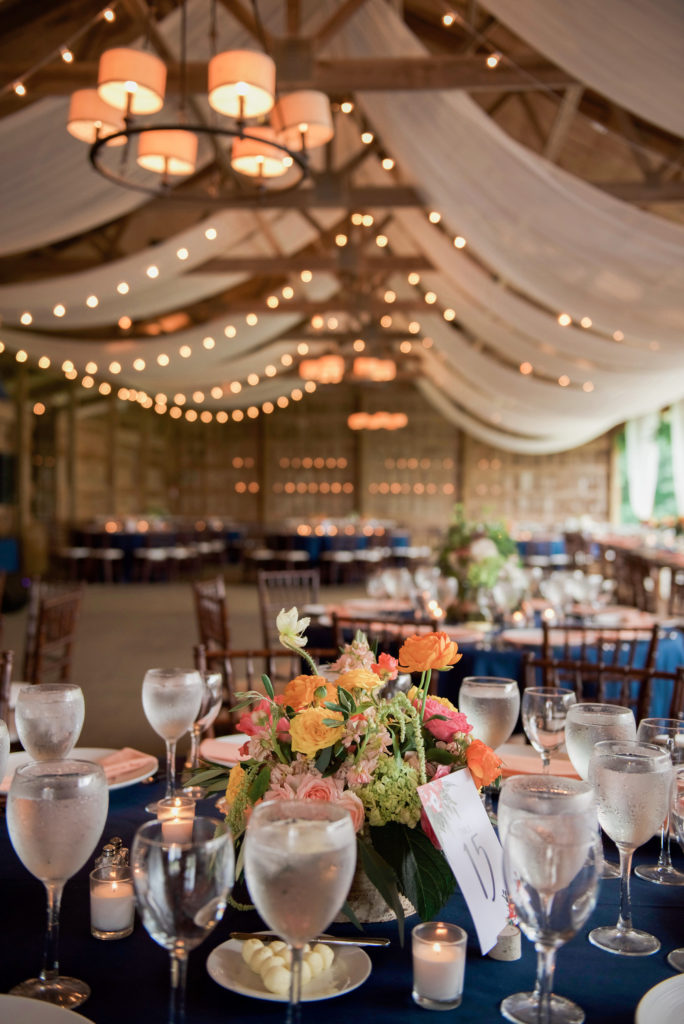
132	81
90	117
242	84
241	88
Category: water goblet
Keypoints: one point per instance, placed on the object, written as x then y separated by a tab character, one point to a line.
49	718
676	957
299	862
544	709
632	782
551	866
491	705
171	700
585	726
181	890
523	796
667	733
212	695
56	811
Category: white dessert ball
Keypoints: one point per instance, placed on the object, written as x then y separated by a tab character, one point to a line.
259	958
249	948
325	952
315	962
276	977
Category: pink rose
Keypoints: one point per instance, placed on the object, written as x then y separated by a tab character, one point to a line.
281	792
448	724
352	803
313	787
440	772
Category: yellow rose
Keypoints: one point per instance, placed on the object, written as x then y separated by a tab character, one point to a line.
309	734
235	781
358	679
425	651
300	692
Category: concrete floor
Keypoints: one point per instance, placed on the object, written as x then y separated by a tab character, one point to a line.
123	630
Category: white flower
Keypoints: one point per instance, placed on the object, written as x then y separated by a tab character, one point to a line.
290	628
482	548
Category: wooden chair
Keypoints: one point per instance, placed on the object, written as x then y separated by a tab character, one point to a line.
284	589
211	609
242	669
607	682
51	631
604	645
6	663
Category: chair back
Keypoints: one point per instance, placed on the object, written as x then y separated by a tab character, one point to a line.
603	678
211	609
6	663
626	646
51	632
242	670
284	589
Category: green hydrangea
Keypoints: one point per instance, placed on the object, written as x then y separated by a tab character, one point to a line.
392	794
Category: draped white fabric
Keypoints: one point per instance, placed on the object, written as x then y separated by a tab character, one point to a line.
677	429
642	463
630	50
555	238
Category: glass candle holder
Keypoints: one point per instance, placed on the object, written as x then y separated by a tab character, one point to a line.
176	814
439	952
112	902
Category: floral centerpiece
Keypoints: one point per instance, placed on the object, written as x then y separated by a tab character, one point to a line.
332	736
479	555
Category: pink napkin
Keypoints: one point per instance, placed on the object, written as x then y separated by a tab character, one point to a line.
225	750
519	760
124	762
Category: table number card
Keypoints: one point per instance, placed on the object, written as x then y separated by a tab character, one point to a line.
472	849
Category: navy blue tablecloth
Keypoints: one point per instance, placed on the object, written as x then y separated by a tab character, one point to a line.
129	978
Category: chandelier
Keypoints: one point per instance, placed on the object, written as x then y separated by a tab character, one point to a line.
271	136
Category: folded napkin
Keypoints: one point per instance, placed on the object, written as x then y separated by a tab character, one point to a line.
124	762
224	749
519	760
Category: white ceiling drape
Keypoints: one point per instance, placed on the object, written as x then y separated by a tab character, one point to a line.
632	51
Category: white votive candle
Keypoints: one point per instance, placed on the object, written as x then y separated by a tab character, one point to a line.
176	814
112	904
438	964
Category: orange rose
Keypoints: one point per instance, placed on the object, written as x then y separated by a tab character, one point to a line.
300	692
484	765
421	652
310	734
358	679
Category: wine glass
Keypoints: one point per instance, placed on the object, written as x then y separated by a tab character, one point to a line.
181	891
49	718
491	705
539	795
212	694
56	811
667	733
299	862
676	957
544	709
552	865
588	724
171	700
632	782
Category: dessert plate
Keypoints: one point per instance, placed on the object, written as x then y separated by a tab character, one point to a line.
19	757
662	1004
349	969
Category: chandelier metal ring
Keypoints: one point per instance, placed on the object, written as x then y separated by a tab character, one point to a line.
163	186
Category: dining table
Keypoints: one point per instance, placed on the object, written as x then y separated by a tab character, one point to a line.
129	977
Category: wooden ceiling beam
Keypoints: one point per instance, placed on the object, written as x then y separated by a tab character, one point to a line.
335	77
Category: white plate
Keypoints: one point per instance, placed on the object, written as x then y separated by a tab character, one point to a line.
224	749
663	1004
20	757
349	969
35	1011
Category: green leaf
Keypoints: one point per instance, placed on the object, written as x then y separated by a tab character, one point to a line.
210	773
346	700
268	686
383	878
348	912
424	876
323	759
332	723
259	785
331	706
441	756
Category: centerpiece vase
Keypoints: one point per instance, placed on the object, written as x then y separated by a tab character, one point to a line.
367	903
